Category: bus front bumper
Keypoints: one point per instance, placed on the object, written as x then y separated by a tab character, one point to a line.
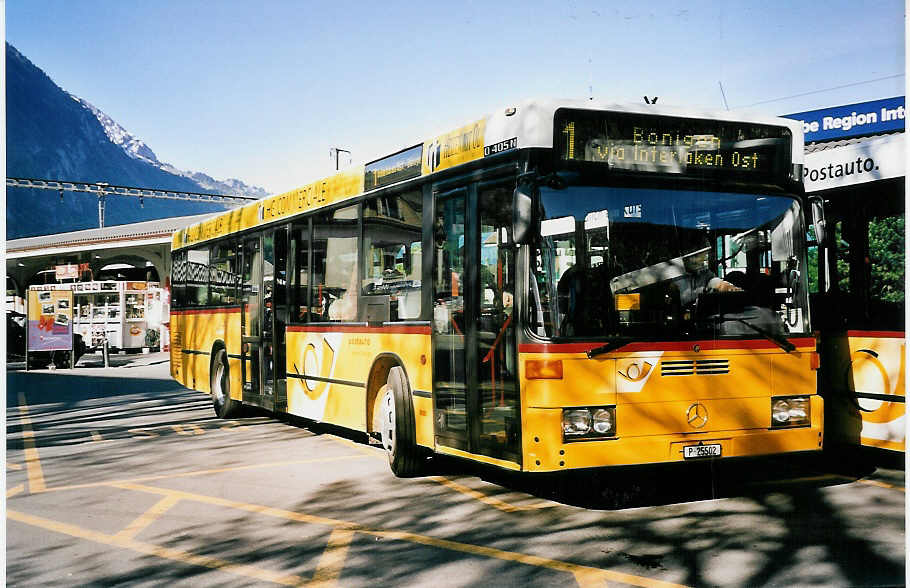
551	455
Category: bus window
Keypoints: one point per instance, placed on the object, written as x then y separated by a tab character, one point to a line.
178	279
334	290
300	273
392	256
224	274
197	287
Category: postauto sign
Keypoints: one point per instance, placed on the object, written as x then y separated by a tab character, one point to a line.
864	118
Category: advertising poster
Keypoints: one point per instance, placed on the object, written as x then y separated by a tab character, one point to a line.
50	320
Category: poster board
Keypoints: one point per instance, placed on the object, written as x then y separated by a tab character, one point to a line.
50	320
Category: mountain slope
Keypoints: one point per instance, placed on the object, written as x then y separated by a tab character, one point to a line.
53	135
137	149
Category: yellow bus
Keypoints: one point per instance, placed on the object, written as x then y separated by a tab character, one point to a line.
558	285
859	313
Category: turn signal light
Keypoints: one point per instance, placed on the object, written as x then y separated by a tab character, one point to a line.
543	369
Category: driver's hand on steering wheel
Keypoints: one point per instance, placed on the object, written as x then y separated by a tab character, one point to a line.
719	285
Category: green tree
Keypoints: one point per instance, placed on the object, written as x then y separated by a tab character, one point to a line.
886	256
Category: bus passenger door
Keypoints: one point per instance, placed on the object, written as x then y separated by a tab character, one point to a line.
251	321
499	419
275	317
450	382
474	359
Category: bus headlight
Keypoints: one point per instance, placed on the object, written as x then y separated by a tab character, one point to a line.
596	422
790	411
576	422
603	421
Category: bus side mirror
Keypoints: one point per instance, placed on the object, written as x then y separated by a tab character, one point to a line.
818	220
522	214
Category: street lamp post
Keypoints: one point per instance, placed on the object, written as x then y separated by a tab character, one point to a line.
334	151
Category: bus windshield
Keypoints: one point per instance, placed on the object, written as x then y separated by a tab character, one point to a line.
667	264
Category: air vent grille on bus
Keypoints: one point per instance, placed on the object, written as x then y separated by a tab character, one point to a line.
701	367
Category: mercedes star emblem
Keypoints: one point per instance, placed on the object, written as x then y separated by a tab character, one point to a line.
697	415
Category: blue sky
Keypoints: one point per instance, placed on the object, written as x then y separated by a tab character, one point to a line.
261	90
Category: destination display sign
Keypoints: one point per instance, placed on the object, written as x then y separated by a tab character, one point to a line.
403	165
672	145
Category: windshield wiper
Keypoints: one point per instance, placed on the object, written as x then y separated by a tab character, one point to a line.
607	347
782	342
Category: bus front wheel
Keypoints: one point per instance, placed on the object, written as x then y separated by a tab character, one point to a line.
225	406
398	427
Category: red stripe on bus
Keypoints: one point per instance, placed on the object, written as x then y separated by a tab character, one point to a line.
186	311
395	330
874	334
660	346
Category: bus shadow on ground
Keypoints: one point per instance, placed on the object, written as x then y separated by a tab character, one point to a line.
651	485
658	485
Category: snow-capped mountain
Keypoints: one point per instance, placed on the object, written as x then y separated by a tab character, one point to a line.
137	149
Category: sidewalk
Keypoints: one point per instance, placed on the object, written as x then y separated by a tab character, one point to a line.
96	360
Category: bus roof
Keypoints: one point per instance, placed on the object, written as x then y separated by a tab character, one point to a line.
527	124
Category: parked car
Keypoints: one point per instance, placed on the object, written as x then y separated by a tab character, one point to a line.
15	345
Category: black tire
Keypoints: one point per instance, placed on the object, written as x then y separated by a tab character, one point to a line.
398	427
225	406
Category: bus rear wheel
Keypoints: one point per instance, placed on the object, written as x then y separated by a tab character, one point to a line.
225	406
398	426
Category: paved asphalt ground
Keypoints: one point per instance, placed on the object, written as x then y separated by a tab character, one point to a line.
121	476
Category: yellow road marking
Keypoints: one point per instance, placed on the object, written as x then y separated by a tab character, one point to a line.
13	466
489	500
475	494
592	579
232	425
15	490
579	571
32	460
850	479
143	433
148	517
881	484
96	436
828	478
202	472
332	561
189	429
366	450
156	550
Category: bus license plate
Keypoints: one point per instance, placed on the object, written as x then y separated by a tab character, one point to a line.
696	451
